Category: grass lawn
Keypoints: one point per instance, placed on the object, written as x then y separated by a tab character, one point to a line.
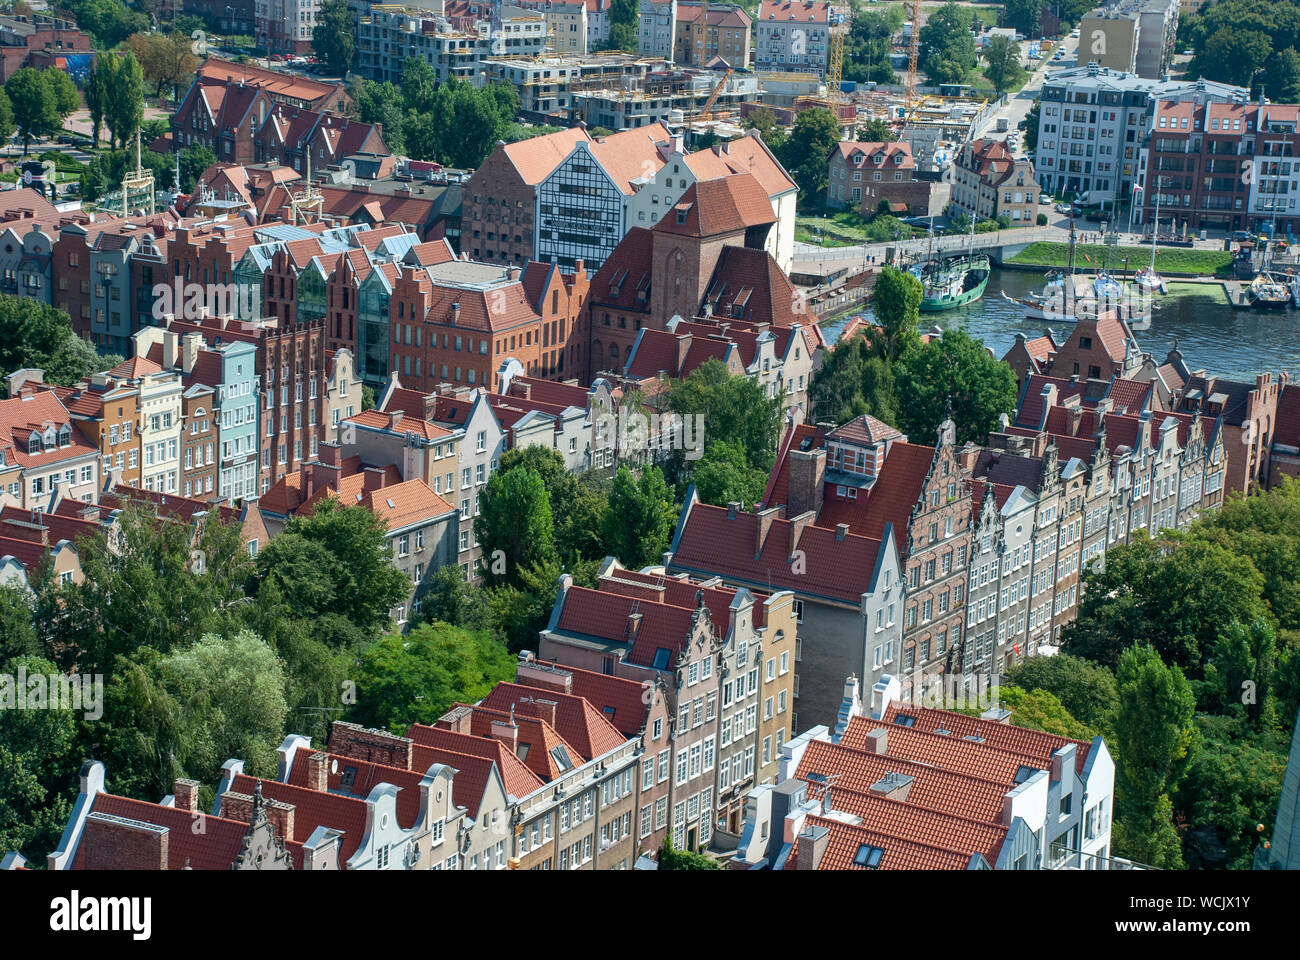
987	15
1168	260
847	227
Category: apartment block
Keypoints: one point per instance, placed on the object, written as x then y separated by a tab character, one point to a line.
989	182
793	36
705	31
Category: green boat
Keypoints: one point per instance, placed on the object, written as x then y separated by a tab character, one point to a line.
953	282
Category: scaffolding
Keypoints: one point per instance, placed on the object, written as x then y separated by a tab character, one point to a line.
138	184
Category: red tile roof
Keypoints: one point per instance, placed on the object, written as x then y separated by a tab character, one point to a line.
710	208
314	809
1287	429
620	700
576	720
711	542
520	781
605	615
846	839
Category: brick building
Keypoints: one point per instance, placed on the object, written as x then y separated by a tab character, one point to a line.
862	175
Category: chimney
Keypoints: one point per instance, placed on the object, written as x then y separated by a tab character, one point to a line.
507	731
318	772
112	843
512	273
807	481
455	313
186	793
375	746
541	676
733	507
190	345
892	786
797	525
1049	396
812	846
877	740
328	453
394	419
683	348
765	518
968	456
372	479
841	531
170	341
543	710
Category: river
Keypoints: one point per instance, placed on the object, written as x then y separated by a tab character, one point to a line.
1236	344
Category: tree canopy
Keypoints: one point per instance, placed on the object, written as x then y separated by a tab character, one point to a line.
33	334
334	35
947	45
806	153
1002	63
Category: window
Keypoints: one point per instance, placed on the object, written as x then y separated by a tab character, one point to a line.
868	856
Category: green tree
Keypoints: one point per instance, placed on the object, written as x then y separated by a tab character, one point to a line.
1282	76
448	597
33	334
724	475
1002	63
1087	691
8	126
17	636
514	527
735	409
807	152
867	48
381	103
1239	671
947	45
337	559
1155	743
1025	16
673	859
1031	127
34	105
1231	55
769	128
415	678
960	369
334	35
896	303
188	712
623	18
1177	594
97	91
144	586
1040	710
195	159
124	109
37	769
876	130
640	518
853	380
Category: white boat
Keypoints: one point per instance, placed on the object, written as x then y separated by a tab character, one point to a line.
1083	296
1149	281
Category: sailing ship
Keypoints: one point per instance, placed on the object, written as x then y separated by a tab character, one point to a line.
1147	279
1067	297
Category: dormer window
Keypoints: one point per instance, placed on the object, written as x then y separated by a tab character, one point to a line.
878	159
34	443
65	435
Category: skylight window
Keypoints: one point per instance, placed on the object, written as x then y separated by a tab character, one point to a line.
1023	773
662	656
609	712
868	856
905	720
561	758
522	751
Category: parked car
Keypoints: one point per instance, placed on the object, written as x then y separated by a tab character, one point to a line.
1065	208
1243	236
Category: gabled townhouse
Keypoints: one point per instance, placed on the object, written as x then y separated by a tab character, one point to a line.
110	832
638	710
563	793
990	182
581	415
867	477
41	449
30	538
171	508
914	787
689	638
849	589
26	256
108	412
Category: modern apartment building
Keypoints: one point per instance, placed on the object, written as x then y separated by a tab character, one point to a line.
1131	36
1093	123
656	28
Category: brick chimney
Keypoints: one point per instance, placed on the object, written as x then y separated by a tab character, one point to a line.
186	793
239	806
797	526
375	746
394	419
877	741
543	676
114	843
540	708
318	774
812	846
507	731
892	786
765	519
807	481
683	348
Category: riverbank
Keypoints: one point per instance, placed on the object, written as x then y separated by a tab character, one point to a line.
1177	262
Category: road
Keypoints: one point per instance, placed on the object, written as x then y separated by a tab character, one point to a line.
1018	105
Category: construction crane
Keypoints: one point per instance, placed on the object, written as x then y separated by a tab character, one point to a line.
835	65
913	52
706	112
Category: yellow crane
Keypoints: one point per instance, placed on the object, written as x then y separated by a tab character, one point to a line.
706	112
913	51
835	65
